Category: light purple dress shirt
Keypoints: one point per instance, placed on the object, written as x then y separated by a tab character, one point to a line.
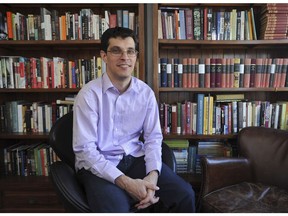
107	126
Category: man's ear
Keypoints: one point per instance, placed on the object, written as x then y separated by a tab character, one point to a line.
103	56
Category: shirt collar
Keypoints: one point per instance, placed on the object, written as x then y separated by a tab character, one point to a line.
107	84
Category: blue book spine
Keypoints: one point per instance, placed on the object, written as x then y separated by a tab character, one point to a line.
176	77
182	24
200	108
163	68
125	19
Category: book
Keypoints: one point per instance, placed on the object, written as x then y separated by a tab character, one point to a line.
258	74
185	73
207	73
197	23
252	72
200	113
212	72
223	78
201	73
163	65
229	97
218	72
247	67
236	73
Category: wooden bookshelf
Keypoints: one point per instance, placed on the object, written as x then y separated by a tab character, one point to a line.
40	186
184	48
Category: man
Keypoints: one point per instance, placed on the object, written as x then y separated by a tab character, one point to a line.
118	171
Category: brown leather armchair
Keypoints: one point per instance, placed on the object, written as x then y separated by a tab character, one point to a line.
257	181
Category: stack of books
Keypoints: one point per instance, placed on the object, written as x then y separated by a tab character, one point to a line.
274	21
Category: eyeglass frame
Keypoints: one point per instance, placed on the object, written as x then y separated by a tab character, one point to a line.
122	52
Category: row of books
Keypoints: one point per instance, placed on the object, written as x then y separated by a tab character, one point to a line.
208	116
21	72
223	72
188	155
50	25
56	72
274	21
206	23
23	116
22	159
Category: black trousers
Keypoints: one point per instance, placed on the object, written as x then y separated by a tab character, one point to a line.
175	194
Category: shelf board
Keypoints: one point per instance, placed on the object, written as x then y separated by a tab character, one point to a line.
164	89
9	43
22	136
40	90
208	44
200	137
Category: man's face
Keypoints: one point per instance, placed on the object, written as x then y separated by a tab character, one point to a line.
119	57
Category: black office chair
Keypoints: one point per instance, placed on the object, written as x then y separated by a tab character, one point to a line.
63	173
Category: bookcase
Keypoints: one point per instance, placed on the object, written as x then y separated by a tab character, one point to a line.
202	48
29	192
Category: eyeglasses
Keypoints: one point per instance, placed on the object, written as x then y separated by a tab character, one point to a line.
117	52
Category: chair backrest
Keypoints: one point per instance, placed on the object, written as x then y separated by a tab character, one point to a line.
60	139
267	152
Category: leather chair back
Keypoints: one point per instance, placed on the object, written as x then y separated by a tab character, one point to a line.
267	151
60	139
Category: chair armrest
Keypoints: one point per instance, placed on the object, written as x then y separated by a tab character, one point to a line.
168	157
221	172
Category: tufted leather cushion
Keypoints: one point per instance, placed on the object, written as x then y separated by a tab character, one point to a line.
247	198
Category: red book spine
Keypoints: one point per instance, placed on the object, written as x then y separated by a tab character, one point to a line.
9	25
205	23
196	72
218	72
33	73
223	73
247	66
173	119
212	72
229	118
267	78
259	62
189	21
185	73
193	72
188	117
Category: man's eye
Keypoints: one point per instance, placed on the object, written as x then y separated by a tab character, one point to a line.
116	51
131	52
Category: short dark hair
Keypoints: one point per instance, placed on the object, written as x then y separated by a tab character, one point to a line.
114	33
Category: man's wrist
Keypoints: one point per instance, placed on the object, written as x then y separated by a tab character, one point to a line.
154	172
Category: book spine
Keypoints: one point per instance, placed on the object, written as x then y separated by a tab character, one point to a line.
223	73
163	65
236	72
207	73
201	73
185	73
200	114
218	72
212	72
247	66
